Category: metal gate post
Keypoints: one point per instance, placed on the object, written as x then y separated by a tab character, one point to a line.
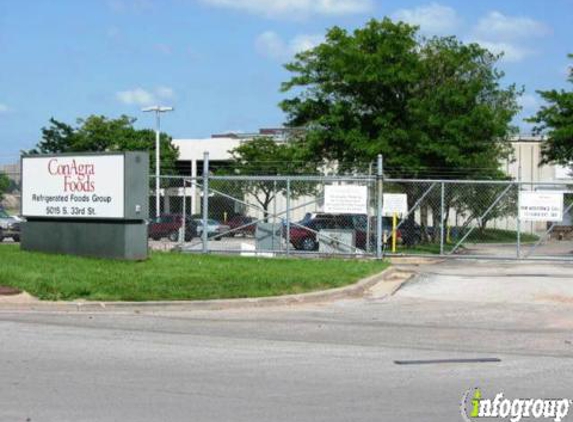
518	221
379	182
442	216
287	234
183	227
204	233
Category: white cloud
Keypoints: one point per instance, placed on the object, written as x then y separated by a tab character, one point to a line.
141	97
496	25
511	52
529	102
295	8
164	92
433	18
304	42
269	44
508	34
137	96
4	108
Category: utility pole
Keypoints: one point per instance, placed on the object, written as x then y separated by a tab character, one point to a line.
157	110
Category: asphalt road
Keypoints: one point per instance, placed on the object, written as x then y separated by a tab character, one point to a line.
333	362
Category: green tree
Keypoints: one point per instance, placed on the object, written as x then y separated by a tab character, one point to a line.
432	107
555	120
99	134
265	157
5	184
426	105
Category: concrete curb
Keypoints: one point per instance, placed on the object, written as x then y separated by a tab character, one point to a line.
414	260
355	290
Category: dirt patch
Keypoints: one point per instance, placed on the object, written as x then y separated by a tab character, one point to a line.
9	291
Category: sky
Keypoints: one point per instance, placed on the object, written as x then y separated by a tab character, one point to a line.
220	62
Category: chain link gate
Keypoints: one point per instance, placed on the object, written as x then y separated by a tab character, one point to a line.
277	215
480	219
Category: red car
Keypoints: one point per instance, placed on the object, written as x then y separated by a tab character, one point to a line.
168	225
244	225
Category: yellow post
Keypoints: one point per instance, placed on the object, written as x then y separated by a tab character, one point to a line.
224	216
394	224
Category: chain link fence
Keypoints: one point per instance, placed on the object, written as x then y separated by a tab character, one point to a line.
286	215
260	215
10	194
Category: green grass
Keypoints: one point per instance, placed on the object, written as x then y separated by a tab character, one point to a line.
485	236
499	236
424	248
173	276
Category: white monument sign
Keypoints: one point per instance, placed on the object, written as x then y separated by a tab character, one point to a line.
541	206
394	203
346	199
80	186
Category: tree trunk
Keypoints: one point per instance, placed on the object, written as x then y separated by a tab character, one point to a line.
482	225
424	222
436	224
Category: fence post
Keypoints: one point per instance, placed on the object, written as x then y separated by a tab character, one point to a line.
287	234
518	221
183	227
380	189
442	217
204	232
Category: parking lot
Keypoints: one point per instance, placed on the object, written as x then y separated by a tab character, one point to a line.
246	246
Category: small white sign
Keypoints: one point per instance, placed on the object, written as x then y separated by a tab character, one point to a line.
81	186
346	199
564	172
394	203
541	206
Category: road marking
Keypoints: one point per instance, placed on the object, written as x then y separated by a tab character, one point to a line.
438	361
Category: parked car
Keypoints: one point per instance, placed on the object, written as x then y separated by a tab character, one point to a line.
214	228
409	233
248	225
304	234
168	225
9	226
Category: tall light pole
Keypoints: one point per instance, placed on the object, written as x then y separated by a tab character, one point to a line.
158	110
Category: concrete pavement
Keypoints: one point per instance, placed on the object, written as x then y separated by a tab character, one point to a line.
494	282
320	362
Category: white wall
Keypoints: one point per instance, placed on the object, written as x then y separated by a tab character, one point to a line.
527	156
193	149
